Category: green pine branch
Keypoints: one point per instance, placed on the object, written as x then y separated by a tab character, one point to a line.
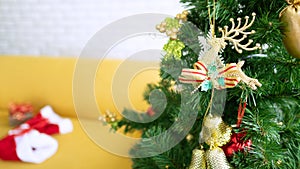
271	119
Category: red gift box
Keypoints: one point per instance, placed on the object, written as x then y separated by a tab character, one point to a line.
19	113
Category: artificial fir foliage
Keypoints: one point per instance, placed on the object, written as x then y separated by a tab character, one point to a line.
271	112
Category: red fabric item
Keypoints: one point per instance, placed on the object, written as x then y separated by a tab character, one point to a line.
49	129
30	142
47	122
8	149
30	146
42	125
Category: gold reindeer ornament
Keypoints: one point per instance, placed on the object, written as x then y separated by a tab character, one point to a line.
210	66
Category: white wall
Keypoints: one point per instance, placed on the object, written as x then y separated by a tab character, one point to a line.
63	27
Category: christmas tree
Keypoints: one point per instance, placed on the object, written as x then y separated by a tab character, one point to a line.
258	125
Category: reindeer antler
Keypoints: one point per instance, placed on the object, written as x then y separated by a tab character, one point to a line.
237	30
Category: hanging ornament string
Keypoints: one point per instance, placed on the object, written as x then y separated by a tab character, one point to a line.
211	122
210	103
212	19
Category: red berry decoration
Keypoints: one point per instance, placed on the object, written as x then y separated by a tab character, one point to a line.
237	143
150	111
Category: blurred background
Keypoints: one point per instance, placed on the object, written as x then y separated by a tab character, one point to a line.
62	27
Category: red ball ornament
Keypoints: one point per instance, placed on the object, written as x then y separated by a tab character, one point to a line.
150	111
237	144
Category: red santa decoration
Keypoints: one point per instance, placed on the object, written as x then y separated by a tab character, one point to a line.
31	141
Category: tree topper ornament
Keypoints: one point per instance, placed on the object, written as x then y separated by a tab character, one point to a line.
210	69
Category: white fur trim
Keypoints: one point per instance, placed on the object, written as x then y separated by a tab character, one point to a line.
65	125
19	129
35	147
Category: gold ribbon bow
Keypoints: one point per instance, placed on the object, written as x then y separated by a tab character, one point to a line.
230	76
291	4
294	3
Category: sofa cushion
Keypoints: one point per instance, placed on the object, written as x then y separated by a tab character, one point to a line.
49	80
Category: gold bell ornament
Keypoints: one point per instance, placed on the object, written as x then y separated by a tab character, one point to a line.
216	159
198	159
290	16
210	159
215	133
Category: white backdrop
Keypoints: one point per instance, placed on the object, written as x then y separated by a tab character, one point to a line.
63	27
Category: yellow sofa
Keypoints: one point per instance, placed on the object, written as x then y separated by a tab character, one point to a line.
48	81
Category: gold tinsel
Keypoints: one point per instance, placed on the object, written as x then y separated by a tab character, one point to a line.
216	159
198	160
